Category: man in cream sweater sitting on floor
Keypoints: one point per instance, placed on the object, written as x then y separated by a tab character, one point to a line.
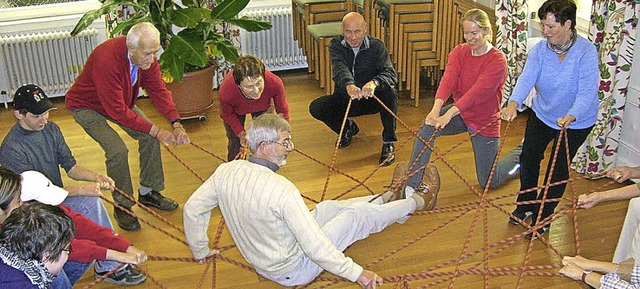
271	225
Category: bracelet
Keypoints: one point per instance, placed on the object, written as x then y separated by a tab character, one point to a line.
584	275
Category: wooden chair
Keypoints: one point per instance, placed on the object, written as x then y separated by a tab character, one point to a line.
423	57
392	9
309	12
321	34
418	39
415	30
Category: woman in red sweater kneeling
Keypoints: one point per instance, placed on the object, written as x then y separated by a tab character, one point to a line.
474	77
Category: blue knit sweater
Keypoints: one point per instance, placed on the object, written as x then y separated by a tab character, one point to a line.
567	87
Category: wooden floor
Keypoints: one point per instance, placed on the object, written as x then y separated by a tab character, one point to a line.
437	250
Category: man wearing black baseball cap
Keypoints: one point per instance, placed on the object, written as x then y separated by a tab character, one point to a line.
36	144
31	98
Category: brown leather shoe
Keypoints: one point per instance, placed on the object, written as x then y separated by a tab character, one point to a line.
429	187
399	182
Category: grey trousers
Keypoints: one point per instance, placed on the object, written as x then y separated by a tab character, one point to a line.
485	150
117	153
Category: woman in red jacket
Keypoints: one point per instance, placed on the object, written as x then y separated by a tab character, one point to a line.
92	242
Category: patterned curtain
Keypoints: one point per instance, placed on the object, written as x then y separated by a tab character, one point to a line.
511	38
613	26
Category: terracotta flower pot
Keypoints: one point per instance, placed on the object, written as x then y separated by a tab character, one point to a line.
194	94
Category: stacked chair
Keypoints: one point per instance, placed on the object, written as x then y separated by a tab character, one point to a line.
419	34
310	12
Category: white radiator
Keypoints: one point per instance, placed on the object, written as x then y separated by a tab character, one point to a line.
52	60
275	47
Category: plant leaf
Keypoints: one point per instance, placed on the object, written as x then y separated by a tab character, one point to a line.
92	15
229	51
251	24
189	49
188	17
228	9
171	63
124	26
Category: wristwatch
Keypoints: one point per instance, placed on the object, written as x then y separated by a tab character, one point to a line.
584	275
376	82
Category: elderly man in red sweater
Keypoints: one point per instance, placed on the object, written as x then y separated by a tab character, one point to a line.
107	90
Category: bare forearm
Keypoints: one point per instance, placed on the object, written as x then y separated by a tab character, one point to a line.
593	279
623	193
80	173
437	105
600	266
453	111
635	173
74	190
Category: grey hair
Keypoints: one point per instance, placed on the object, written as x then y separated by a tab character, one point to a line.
142	30
265	128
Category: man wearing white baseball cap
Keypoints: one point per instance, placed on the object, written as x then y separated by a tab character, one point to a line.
92	241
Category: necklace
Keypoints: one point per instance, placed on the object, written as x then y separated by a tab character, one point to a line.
561	49
243	94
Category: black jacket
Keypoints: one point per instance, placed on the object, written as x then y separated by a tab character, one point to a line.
372	62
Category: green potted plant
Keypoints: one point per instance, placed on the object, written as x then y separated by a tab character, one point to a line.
188	34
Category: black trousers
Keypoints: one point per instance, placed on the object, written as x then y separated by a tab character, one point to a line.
536	138
330	109
233	144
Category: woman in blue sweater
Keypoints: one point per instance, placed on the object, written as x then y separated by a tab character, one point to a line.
564	70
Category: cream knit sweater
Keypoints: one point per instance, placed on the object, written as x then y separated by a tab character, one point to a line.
267	218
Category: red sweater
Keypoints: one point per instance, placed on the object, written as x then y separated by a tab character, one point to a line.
233	103
92	240
476	84
104	85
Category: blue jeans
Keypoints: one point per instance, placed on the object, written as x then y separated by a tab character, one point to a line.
485	150
61	281
70	274
93	209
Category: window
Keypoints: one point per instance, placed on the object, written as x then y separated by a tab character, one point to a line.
24	3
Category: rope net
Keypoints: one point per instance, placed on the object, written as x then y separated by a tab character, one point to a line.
477	254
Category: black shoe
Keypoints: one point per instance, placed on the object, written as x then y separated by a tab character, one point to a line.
541	231
126	276
522	215
158	201
350	130
126	221
388	154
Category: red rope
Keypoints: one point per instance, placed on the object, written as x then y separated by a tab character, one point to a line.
401	281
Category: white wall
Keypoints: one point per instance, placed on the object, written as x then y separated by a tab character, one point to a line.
257	3
629	148
582	21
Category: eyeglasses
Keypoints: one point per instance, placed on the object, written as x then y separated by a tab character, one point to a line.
68	249
287	143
